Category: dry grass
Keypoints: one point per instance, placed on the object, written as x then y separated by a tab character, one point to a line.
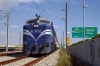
64	58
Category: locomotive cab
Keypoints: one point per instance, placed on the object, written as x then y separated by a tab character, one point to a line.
38	36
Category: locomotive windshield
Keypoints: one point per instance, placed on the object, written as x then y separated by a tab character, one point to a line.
44	21
31	21
40	21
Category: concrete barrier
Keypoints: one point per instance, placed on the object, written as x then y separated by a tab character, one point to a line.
88	51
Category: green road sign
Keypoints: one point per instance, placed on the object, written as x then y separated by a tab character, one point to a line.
77	32
61	45
90	32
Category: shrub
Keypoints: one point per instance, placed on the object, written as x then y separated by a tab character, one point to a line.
96	36
87	40
79	42
64	58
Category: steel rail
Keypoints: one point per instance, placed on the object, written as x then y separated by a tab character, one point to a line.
35	61
12	60
9	53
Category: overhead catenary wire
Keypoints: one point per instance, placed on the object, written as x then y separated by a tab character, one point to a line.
5	29
68	6
54	15
2	17
12	10
2	28
38	8
3	33
2	23
14	19
43	9
20	15
12	22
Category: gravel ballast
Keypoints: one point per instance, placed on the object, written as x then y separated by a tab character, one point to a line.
51	60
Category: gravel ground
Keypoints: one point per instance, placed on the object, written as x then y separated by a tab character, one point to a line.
51	60
3	58
21	62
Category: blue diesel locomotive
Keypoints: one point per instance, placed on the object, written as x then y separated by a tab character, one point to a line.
39	36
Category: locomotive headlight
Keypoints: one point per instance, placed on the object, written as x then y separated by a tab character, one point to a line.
36	25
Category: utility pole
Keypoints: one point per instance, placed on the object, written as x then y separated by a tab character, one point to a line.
20	40
63	37
66	25
7	16
83	20
84	6
61	41
7	31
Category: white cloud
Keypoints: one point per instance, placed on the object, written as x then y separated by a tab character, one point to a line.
14	34
29	1
59	1
10	34
11	38
55	26
25	8
7	4
75	2
14	26
3	33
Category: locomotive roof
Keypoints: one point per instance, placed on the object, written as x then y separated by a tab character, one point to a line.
35	20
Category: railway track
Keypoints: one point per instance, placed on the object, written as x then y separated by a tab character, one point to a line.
35	61
10	53
31	61
23	61
12	60
9	50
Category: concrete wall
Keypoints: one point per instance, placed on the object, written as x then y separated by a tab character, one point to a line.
88	51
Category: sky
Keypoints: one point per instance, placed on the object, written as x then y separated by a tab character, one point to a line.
23	10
